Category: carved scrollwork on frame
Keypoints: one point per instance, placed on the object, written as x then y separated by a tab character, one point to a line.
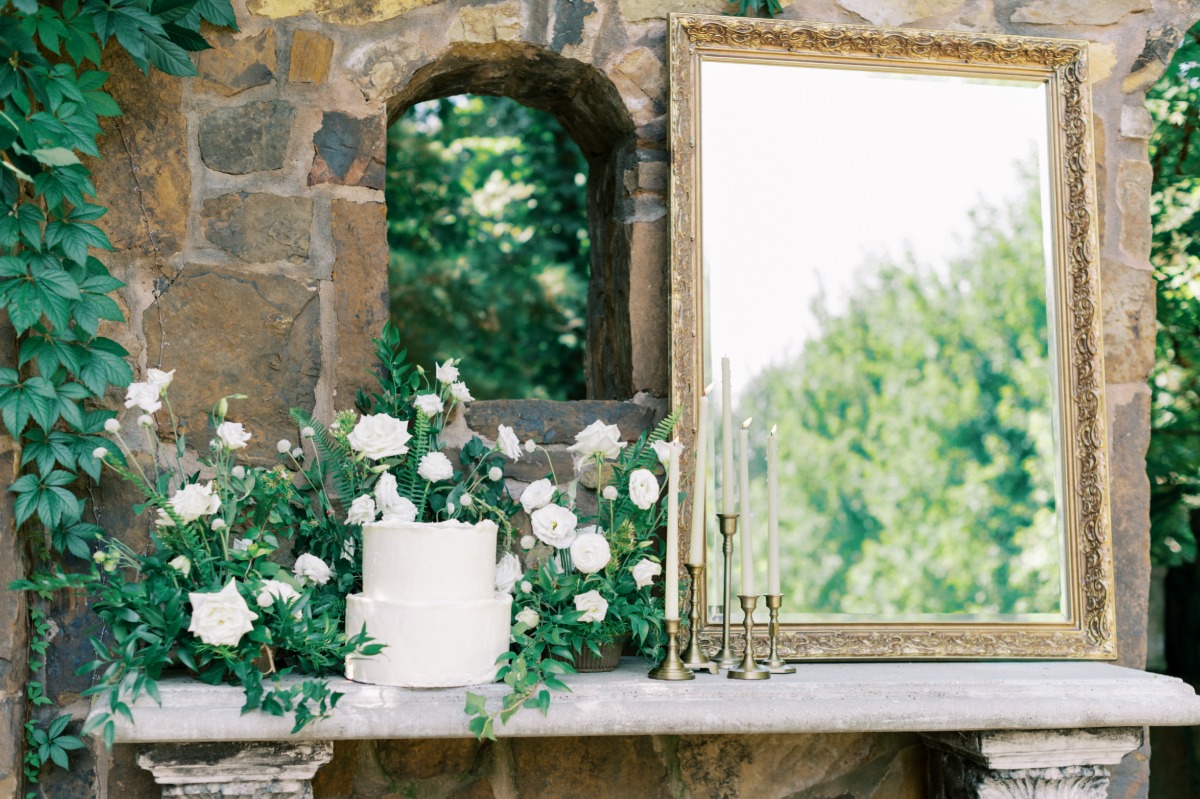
1088	629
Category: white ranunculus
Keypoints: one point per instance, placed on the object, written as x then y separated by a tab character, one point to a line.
508	442
221	618
446	372
282	446
429	404
195	500
100	453
555	525
643	488
460	392
233	435
644	572
537	495
529	617
181	564
144	396
275	589
594	606
609	493
362	510
112	425
527	542
379	436
435	467
159	378
508	571
495	473
310	567
597	440
590	553
663	450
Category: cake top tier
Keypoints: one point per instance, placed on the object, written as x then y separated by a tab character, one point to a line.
435	561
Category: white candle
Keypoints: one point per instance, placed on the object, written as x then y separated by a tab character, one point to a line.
744	523
726	442
672	588
772	516
700	447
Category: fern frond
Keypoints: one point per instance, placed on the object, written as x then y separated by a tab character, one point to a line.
335	455
411	484
643	453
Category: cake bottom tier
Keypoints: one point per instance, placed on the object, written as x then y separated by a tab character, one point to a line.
429	644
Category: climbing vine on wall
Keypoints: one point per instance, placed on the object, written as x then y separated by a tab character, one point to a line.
54	291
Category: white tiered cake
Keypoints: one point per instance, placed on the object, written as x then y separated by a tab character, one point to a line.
429	595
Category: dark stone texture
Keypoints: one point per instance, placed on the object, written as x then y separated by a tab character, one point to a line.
550	422
1131	777
311	54
335	780
259	227
349	151
1129	423
234	65
425	759
247	138
586	768
360	271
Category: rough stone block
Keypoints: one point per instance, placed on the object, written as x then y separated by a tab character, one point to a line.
1129	426
648	306
350	151
641	78
422	759
1136	122
248	138
492	23
338	12
360	270
638	10
259	228
585	768
311	54
1077	12
1152	62
234	65
1129	323
549	422
901	12
1133	199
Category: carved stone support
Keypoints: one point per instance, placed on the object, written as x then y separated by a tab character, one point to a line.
1027	764
235	770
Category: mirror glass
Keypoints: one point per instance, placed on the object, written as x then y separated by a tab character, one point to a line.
877	258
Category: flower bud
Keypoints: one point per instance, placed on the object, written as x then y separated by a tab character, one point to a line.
307	432
527	542
283	446
146	420
218	524
466	500
297	453
112	426
495	473
99	453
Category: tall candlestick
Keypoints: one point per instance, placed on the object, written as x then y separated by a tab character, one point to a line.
747	538
772	516
672	587
726	442
700	447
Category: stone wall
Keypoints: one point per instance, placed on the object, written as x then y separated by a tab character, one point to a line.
248	218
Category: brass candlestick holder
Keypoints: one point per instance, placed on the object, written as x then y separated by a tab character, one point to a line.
774	663
748	669
694	657
727	523
672	667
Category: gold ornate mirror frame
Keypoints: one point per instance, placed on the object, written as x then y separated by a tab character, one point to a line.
1087	628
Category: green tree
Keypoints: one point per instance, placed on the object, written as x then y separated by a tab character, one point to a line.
487	224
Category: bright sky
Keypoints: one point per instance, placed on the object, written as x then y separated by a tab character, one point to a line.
807	172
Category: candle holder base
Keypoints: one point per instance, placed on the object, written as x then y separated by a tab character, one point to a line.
672	667
747	668
727	523
774	663
693	657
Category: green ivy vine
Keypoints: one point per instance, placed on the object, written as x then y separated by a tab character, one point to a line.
54	291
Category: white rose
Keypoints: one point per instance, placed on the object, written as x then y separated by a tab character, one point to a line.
310	567
282	446
495	473
594	606
507	440
221	618
537	495
144	396
429	404
554	525
362	510
435	467
460	392
446	372
597	440
275	589
663	450
112	425
526	586
529	617
233	435
527	542
195	500
181	564
590	553
643	488
609	493
159	378
379	436
404	511
644	572
508	571
394	507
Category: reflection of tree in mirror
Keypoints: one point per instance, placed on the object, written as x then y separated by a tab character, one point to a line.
487	223
916	441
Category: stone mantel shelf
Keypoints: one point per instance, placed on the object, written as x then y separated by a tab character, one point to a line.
819	698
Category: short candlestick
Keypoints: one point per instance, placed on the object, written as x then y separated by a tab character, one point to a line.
748	669
672	667
727	523
774	663
694	657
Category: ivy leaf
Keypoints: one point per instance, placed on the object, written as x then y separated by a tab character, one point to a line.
77	539
48	450
187	39
55	156
47	497
218	12
75	238
171	10
168	56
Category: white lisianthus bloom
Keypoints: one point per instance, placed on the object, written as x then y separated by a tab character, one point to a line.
144	396
554	525
112	426
275	589
100	453
181	564
643	488
527	542
435	467
307	432
405	512
590	553
159	378
508	571
526	586
466	500
146	420
233	435
460	392
663	450
644	572
429	404
282	446
609	493
195	500
537	495
594	606
508	443
310	567
362	510
221	618
597	440
379	436
161	519
387	498
239	472
529	617
446	372
495	473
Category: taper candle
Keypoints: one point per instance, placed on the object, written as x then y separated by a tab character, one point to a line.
744	522
672	587
700	447
726	442
772	515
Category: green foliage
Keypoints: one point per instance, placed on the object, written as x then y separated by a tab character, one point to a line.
487	223
766	8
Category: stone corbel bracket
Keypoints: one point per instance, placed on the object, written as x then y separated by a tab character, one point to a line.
271	770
